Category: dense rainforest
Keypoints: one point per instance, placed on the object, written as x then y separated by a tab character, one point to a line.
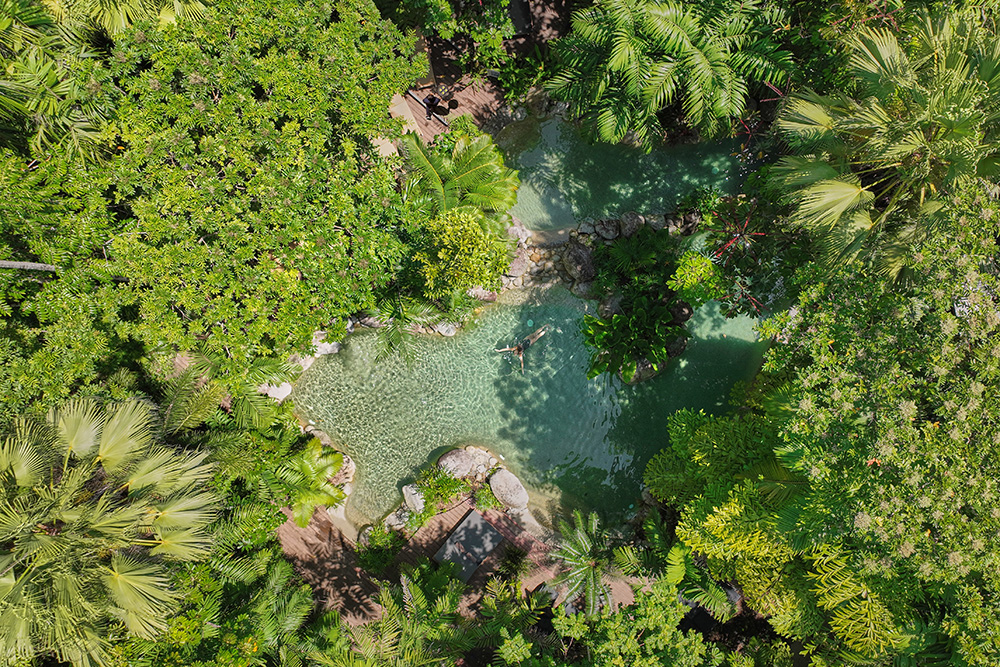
189	191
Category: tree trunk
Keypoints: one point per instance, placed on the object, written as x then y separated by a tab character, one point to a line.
27	266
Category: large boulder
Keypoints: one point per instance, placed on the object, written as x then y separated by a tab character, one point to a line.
321	347
691	221
520	264
277	392
631	223
413	498
346	473
578	260
518	232
656	222
508	489
607	229
458	463
610	305
681	311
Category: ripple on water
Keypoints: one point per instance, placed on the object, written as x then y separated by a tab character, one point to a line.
564	178
573	441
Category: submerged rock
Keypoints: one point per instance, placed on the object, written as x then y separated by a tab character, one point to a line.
447	329
413	498
508	489
587	226
578	260
458	463
582	289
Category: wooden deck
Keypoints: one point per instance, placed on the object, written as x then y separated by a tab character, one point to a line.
326	560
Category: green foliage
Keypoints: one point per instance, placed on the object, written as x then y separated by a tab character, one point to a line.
437	488
398	313
245	184
463	170
304	480
644	634
627	60
486	25
647	326
696	585
586	559
380	549
697	279
91	509
873	174
857	615
461	252
620	342
44	102
115	17
484	499
419	625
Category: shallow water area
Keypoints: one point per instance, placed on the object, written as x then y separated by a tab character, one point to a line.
574	442
564	178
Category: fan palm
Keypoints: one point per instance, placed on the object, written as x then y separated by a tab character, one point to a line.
587	560
90	508
872	173
472	175
626	60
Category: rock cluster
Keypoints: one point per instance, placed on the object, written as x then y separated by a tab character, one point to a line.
477	463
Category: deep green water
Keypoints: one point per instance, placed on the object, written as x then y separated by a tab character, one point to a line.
574	442
565	179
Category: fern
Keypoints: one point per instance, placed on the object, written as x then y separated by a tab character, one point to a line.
857	615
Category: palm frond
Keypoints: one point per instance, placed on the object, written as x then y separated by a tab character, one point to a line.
141	593
126	432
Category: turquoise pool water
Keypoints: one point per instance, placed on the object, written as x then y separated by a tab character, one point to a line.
564	178
574	442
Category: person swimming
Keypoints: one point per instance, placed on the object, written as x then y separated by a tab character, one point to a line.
525	344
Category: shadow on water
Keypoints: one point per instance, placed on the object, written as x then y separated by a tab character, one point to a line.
564	178
588	441
574	442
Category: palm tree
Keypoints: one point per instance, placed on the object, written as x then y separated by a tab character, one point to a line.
419	627
472	176
304	481
90	510
626	60
115	16
587	559
398	314
41	101
872	173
